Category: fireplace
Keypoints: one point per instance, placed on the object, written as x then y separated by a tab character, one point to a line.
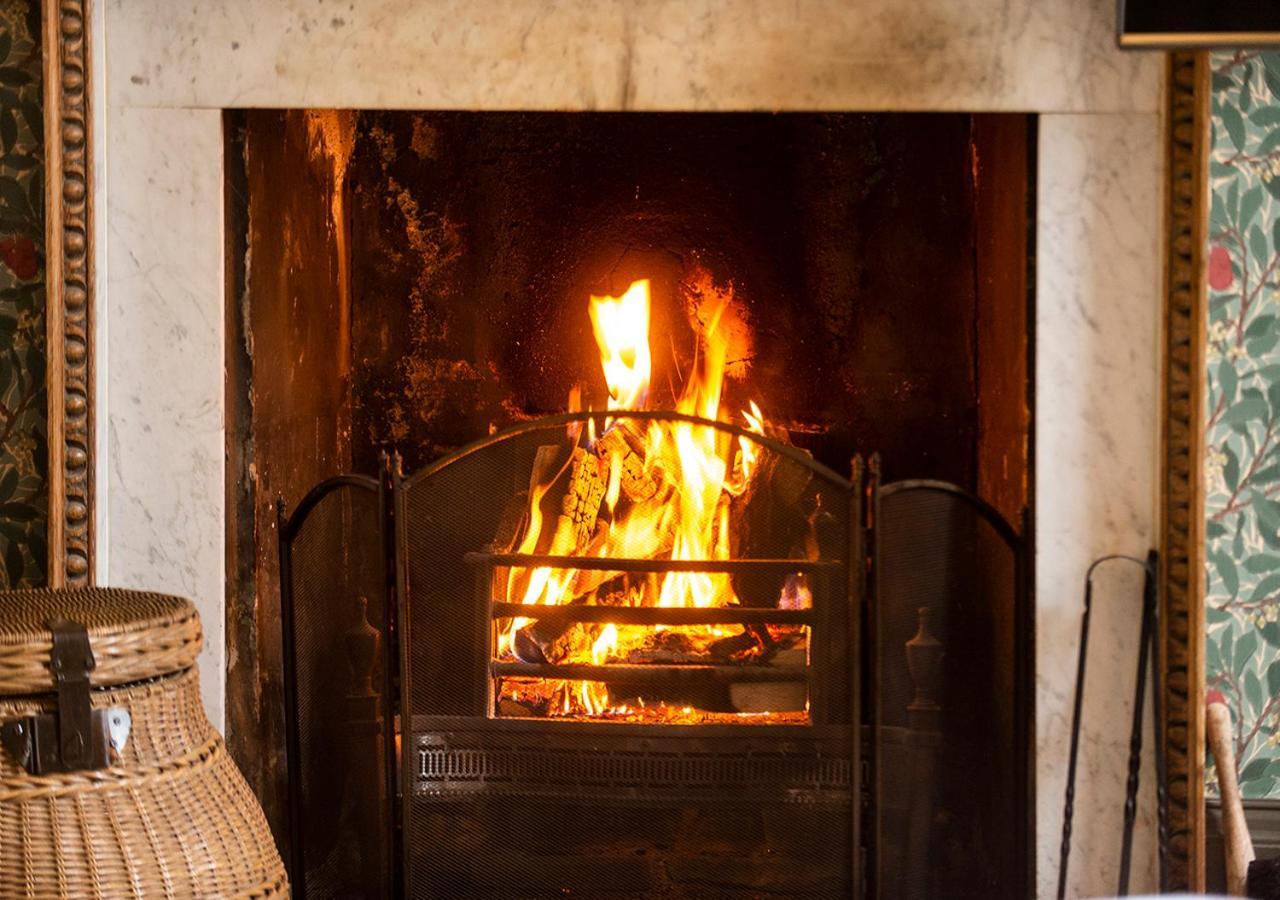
687	529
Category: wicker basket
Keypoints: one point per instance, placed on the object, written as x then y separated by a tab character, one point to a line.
169	815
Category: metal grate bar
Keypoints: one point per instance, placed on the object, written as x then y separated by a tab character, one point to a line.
652	615
607	564
654	674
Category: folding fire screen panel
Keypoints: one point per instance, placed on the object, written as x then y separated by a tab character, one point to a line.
335	606
949	687
635	719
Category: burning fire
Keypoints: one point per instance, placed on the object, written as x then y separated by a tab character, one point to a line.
621	326
640	489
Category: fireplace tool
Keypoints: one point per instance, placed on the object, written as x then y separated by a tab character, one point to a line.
1147	647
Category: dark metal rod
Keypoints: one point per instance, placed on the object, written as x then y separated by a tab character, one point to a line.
874	876
1135	735
484	640
548	423
603	564
652	615
654	674
390	668
855	587
406	699
293	740
1068	809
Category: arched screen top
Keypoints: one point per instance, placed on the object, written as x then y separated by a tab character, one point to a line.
957	494
564	421
626	565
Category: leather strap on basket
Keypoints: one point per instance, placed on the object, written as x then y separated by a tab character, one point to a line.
74	737
72	661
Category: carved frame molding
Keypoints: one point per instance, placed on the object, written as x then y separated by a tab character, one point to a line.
69	311
1182	453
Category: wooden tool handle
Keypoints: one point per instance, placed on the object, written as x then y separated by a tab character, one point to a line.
1235	831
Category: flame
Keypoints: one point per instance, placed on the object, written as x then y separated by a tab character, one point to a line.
748	448
594	695
665	487
621	326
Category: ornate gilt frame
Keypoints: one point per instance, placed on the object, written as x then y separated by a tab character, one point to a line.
1181	471
69	268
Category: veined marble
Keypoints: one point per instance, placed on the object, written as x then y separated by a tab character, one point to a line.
165	441
1047	55
170	66
1098	244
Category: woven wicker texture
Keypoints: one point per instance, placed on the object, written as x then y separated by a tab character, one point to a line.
135	635
171	817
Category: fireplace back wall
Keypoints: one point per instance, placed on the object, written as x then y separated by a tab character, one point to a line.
849	240
413	280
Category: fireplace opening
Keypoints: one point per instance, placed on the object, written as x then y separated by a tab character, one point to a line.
705	534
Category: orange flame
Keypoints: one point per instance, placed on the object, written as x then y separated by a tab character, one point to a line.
666	487
621	326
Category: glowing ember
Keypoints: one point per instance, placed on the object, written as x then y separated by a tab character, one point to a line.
642	489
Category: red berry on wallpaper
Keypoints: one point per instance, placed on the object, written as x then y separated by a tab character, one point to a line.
1220	274
19	254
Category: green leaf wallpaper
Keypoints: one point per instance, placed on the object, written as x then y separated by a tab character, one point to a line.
1242	430
23	416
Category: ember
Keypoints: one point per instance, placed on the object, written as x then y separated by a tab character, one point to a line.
654	489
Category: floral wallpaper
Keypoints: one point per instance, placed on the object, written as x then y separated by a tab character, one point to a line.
1242	431
23	416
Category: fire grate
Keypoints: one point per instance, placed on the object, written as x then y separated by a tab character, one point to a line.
459	758
820	626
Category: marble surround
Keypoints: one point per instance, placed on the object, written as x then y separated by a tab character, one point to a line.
167	68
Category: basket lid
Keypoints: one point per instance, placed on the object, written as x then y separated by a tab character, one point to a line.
135	635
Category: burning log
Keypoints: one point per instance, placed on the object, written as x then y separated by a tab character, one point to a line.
769	521
622	442
584	496
551	640
582	509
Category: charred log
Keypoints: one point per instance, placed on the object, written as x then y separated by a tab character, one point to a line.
769	520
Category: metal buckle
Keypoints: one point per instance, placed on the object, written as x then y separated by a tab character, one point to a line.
75	736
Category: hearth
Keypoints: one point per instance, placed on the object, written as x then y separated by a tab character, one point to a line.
690	556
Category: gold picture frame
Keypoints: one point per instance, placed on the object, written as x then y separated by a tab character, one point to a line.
69	267
1181	522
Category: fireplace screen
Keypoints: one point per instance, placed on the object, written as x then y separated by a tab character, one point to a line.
693	724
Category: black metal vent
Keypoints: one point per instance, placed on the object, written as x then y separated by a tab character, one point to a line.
461	758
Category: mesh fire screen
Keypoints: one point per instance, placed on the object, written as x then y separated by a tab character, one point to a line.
654	722
948	695
591	705
335	606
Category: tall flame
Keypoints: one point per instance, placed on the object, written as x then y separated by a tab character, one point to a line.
621	326
666	486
